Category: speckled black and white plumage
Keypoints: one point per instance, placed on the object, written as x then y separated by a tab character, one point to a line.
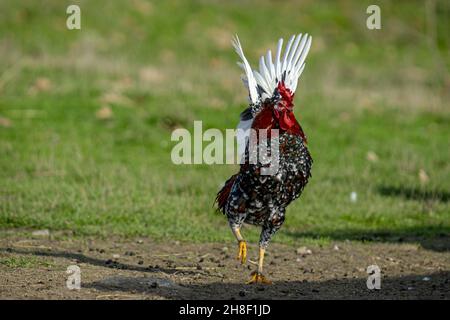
249	196
262	199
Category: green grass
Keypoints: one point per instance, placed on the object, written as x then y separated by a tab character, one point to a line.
24	262
161	65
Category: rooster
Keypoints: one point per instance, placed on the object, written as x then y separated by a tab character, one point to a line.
249	196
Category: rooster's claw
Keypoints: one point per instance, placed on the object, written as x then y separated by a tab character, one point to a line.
258	278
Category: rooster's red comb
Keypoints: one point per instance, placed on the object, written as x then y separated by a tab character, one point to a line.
285	93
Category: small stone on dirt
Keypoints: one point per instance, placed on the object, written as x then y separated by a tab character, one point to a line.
303	251
242	293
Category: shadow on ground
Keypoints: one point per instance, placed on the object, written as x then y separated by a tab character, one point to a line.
433	237
429	237
410	193
435	286
81	258
296	283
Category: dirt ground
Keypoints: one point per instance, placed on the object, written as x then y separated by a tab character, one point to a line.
35	268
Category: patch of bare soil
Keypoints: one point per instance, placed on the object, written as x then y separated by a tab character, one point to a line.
142	269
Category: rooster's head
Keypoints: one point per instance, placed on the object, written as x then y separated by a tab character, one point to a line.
283	106
284	97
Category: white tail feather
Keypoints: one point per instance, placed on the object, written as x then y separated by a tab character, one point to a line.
251	82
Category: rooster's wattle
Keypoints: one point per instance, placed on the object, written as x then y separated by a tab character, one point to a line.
250	196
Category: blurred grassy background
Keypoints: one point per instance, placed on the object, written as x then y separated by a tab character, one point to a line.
86	115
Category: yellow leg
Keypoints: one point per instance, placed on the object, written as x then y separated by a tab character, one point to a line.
242	253
257	276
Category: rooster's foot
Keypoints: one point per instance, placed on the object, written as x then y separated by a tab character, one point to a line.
258	278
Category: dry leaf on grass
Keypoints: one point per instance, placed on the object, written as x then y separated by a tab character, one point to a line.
5	122
423	176
104	113
116	98
372	156
151	74
40	85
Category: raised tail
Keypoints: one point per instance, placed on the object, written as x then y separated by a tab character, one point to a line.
222	195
